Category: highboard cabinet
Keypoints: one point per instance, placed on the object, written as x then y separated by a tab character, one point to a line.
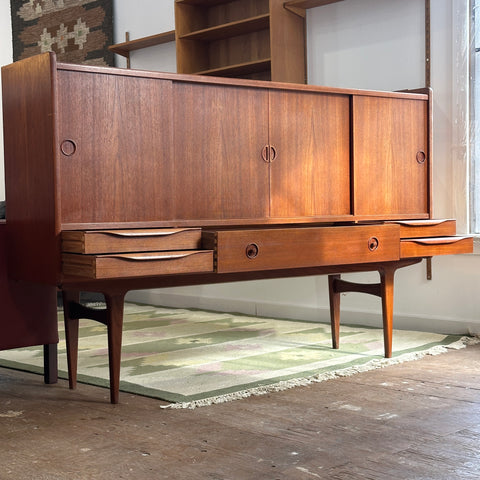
123	179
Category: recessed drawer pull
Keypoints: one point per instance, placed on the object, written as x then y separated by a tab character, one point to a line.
143	258
417	223
146	233
373	243
437	240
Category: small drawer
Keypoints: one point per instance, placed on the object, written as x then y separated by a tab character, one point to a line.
132	240
268	249
426	228
429	247
137	264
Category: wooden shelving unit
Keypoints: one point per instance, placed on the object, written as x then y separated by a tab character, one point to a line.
261	39
231	29
257	39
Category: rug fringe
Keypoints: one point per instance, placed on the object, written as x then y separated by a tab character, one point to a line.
345	372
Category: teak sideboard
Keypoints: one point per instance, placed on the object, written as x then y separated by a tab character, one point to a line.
123	179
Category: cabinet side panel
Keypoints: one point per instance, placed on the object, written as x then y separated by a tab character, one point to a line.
28	114
219	135
391	157
115	148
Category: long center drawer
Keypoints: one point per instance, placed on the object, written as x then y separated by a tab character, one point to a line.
278	248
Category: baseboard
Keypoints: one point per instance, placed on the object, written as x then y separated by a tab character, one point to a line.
423	323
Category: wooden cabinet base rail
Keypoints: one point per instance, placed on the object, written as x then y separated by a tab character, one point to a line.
112	315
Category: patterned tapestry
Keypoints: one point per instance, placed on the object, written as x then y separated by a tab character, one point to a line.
78	31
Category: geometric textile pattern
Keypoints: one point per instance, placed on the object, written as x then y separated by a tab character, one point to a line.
180	355
78	31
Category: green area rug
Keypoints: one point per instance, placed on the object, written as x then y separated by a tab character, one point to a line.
193	358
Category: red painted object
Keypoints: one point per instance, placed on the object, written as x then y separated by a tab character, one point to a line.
28	313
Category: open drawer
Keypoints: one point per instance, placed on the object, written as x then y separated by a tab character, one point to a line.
105	254
131	240
128	265
429	247
299	247
426	228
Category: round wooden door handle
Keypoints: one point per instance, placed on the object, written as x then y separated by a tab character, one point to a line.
68	147
421	157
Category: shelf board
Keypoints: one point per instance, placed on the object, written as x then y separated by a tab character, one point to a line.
304	4
203	3
239	68
125	48
232	29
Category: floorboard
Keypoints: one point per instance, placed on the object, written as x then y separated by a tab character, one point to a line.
418	420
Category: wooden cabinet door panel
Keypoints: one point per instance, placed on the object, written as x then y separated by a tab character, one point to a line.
115	148
220	132
390	157
310	175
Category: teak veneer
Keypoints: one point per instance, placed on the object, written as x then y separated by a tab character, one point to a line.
123	179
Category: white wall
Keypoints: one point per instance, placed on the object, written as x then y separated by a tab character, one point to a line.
6	55
374	44
154	17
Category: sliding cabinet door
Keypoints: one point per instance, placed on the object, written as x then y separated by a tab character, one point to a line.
310	175
115	148
390	157
220	132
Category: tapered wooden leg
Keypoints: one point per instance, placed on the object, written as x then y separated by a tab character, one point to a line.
112	317
387	288
384	290
334	297
115	306
71	334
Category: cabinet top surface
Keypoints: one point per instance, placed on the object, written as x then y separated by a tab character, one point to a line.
209	80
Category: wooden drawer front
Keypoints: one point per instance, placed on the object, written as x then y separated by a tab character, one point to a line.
426	228
137	264
134	240
428	247
268	249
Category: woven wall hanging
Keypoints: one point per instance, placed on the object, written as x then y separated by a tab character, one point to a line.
78	31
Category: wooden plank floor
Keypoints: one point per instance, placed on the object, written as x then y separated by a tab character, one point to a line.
417	420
